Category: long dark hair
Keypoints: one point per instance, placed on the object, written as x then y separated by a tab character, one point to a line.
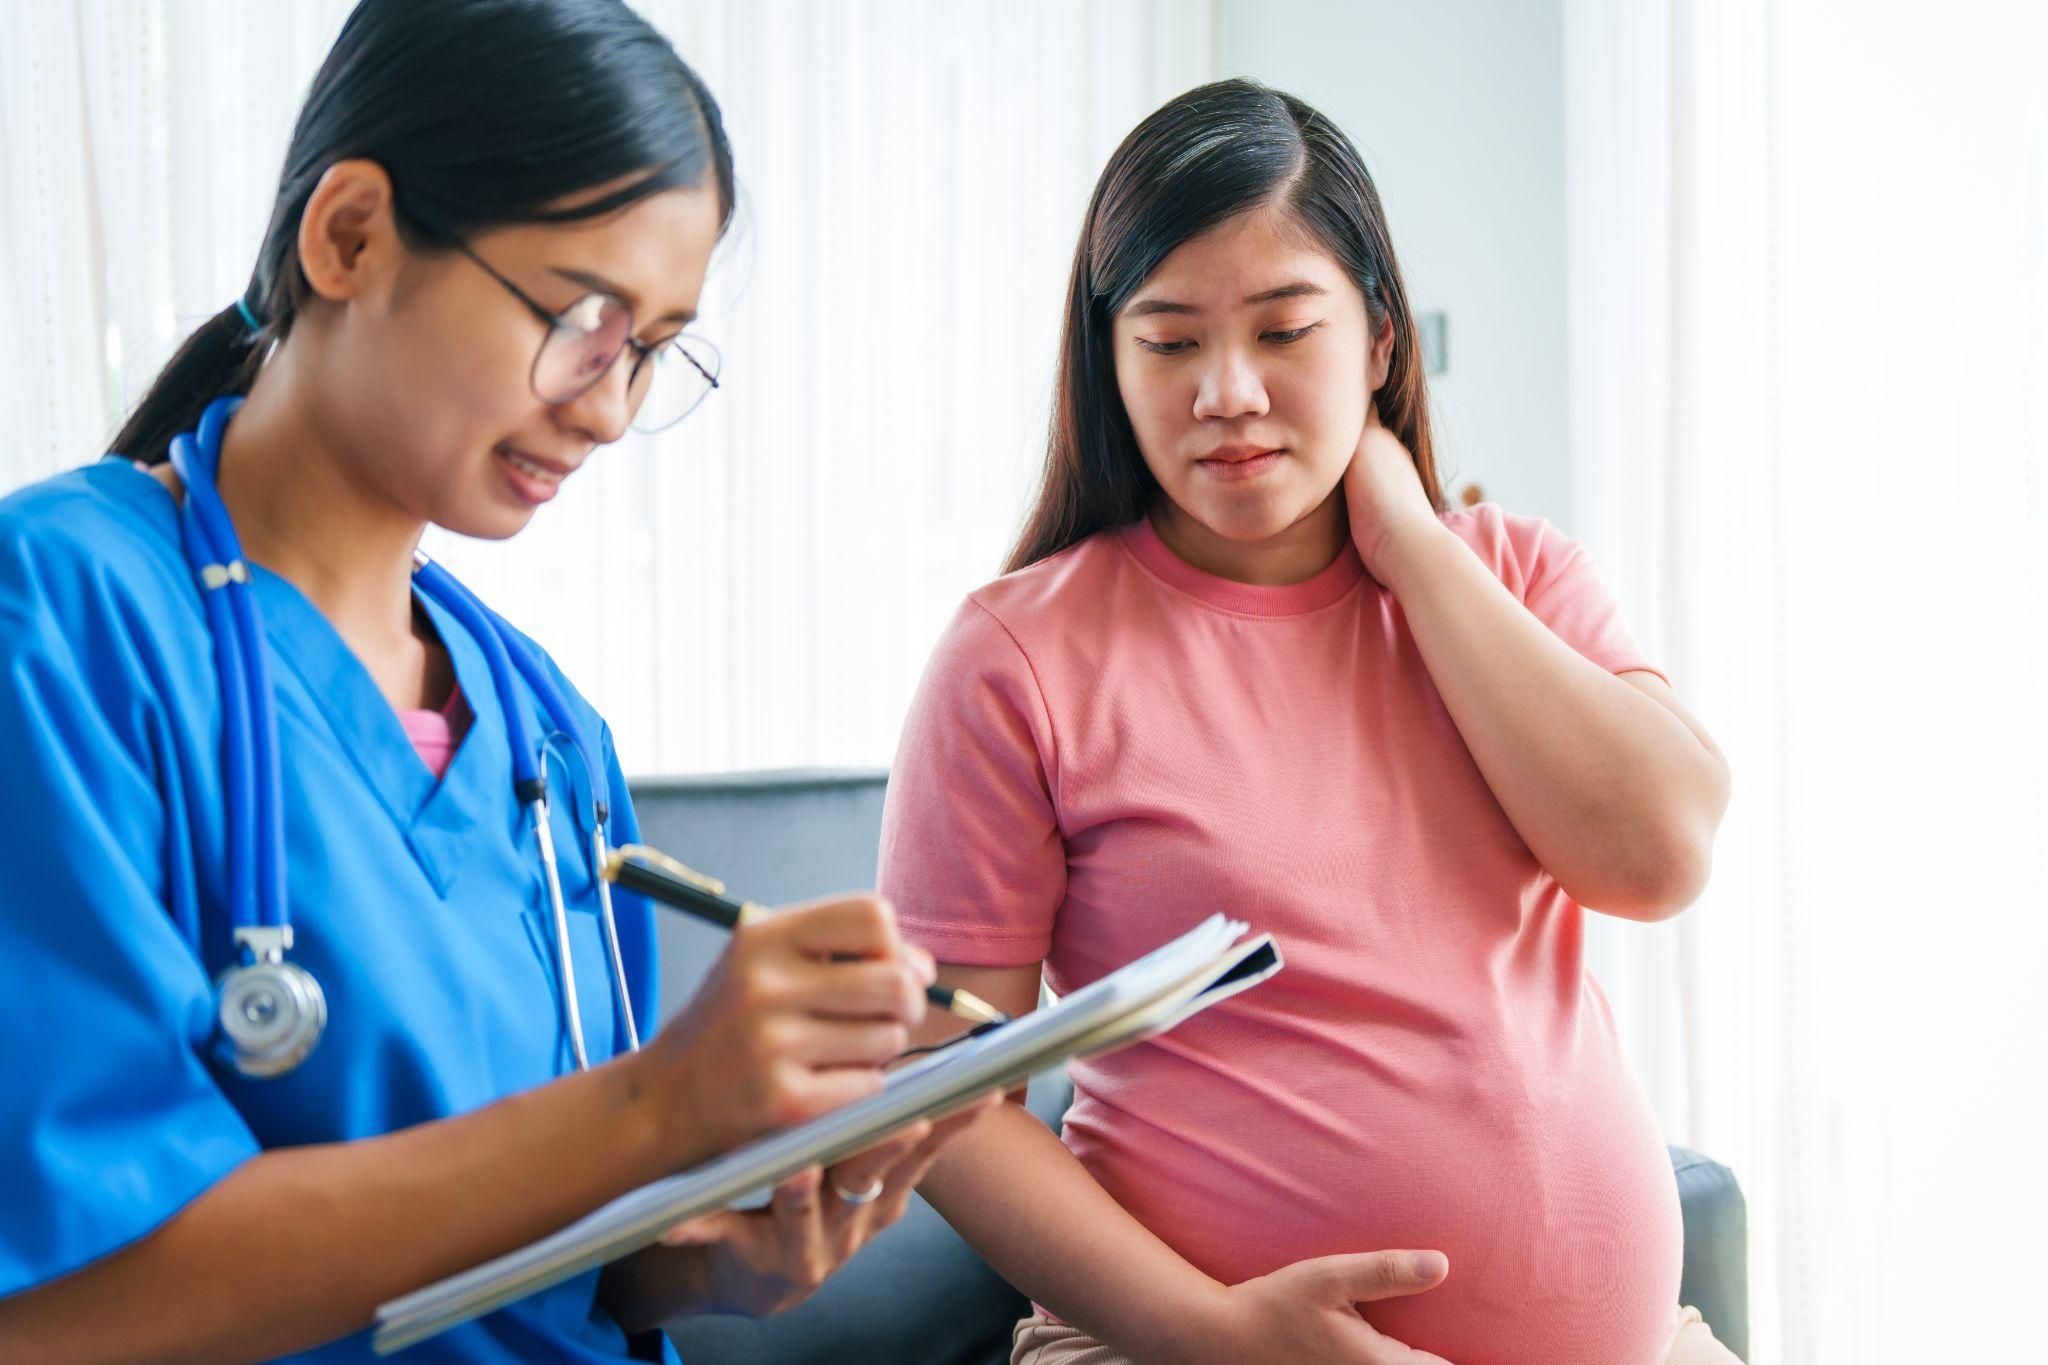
1204	157
484	113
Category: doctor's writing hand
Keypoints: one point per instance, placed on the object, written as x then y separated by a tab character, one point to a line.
1383	496
1309	1311
798	1016
762	1261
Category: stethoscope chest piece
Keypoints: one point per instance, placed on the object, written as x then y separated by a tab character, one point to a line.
272	1012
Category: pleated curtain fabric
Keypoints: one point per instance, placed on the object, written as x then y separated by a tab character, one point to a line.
1808	281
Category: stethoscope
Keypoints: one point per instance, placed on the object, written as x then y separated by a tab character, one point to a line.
271	1010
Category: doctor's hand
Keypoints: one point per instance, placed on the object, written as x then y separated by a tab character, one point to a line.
762	1261
1309	1311
798	1016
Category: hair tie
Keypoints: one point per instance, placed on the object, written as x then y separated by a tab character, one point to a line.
248	318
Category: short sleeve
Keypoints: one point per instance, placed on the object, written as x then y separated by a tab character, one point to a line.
971	854
110	1118
1566	592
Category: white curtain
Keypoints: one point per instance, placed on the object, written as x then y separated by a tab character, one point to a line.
760	585
1809	330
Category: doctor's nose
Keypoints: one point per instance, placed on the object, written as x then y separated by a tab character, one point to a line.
605	409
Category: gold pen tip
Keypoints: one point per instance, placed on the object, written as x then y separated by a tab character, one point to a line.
968	1005
656	858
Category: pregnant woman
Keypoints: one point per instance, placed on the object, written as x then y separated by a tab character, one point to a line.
1245	659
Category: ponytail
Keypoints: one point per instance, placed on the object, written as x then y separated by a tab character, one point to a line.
222	357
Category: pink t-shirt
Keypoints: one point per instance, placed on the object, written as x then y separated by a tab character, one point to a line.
435	734
1111	745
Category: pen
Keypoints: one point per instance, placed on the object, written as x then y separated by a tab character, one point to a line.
655	875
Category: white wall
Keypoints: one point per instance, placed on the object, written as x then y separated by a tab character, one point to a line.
1458	108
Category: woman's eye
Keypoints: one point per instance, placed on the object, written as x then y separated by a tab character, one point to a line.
1164	347
1296	334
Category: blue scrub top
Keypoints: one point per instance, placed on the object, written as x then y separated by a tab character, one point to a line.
419	905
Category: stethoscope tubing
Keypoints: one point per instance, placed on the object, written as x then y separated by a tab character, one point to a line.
252	764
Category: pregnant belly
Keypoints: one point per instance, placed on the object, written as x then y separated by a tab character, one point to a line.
1559	1214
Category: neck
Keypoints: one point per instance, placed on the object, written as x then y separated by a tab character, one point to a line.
304	511
311	515
1293	555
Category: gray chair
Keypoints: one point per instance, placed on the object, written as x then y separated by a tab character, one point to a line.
918	1295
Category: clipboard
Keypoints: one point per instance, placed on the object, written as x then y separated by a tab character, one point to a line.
1209	963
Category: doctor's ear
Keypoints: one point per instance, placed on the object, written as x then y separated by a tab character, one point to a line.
1381	360
348	235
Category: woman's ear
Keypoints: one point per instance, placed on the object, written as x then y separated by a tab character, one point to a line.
348	235
1381	360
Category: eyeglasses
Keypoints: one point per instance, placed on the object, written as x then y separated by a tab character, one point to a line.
584	340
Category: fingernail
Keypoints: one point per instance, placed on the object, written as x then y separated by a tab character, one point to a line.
1431	1265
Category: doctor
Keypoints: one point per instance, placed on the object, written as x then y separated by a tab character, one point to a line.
311	996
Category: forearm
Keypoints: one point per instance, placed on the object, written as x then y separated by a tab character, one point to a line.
1614	793
299	1245
1011	1188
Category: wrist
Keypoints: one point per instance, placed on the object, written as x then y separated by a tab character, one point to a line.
686	1280
1195	1330
1407	550
656	1286
661	1135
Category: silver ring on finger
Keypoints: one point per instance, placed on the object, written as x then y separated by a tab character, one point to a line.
866	1196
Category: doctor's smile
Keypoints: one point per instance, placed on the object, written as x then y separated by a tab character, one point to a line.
534	479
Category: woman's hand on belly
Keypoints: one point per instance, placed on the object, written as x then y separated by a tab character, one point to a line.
1309	1311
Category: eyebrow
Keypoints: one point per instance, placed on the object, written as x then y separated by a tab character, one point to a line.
618	291
1298	289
